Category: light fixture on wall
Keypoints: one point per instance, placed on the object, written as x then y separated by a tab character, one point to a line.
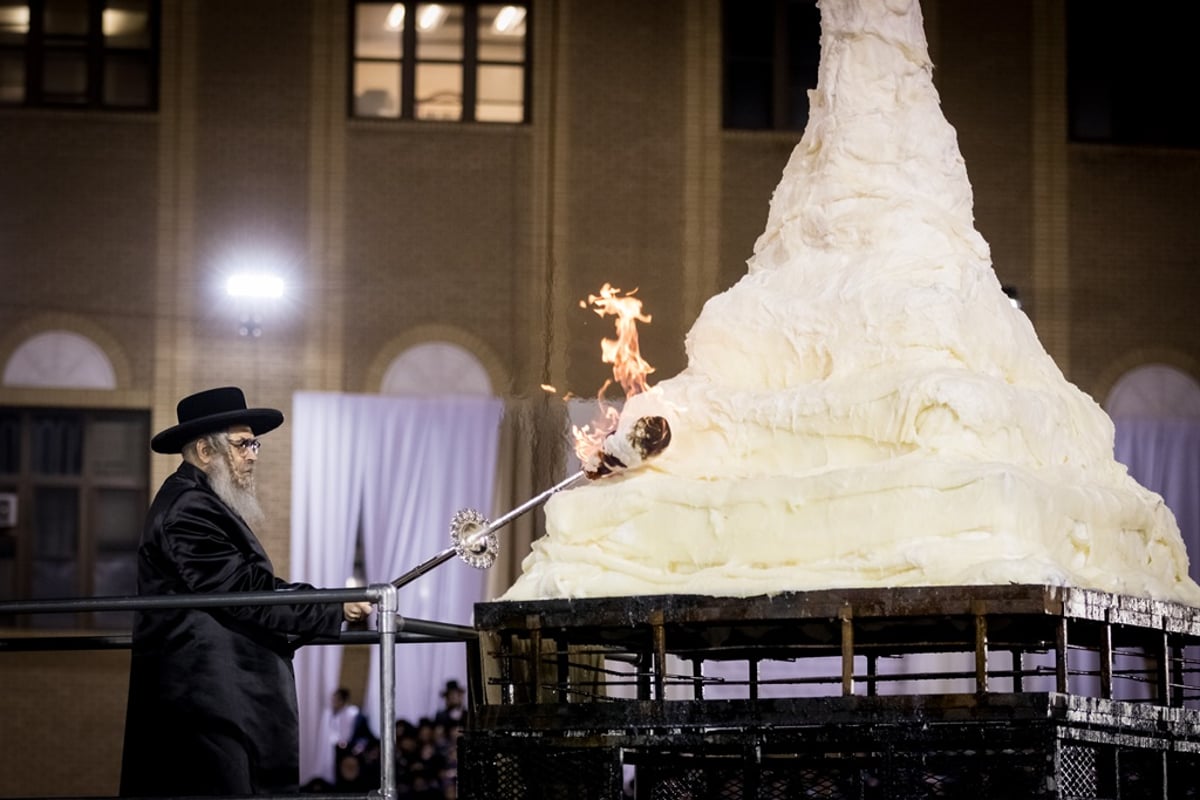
247	287
254	285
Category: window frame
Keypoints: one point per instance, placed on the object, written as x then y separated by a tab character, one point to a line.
1123	75
25	484
782	63
470	63
96	53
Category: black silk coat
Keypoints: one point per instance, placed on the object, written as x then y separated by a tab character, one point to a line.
212	696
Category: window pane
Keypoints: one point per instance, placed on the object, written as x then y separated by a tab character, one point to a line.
748	95
118	520
9	509
378	30
8	574
57	444
376	90
56	524
117	447
66	17
126	81
501	94
1118	89
115	576
804	57
127	23
14	22
64	77
439	91
439	32
55	562
12	77
51	580
502	33
10	442
748	30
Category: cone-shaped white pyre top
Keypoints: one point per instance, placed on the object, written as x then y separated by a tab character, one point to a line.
865	407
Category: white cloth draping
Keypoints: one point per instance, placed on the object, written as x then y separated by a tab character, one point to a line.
326	476
1163	455
434	456
394	469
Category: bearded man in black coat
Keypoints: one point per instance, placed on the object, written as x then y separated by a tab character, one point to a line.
212	695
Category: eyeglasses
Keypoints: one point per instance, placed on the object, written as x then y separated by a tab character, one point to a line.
246	445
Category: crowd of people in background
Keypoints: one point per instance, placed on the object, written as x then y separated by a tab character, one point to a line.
426	751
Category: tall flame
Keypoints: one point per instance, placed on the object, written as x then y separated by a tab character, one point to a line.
629	368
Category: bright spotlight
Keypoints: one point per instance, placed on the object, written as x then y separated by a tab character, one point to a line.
254	284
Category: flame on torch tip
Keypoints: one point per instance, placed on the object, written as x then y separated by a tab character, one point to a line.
629	368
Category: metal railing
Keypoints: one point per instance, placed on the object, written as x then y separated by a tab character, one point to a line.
392	628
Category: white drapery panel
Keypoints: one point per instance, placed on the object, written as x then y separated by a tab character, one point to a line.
326	486
434	457
397	468
1164	456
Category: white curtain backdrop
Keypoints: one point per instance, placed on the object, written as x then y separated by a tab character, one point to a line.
326	476
1164	456
433	457
397	468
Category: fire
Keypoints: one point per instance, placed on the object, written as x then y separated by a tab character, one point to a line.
629	368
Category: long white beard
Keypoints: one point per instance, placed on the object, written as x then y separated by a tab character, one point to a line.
241	498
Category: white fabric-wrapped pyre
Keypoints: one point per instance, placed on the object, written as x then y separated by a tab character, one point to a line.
865	407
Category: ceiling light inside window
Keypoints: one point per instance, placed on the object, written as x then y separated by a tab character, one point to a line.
14	19
395	17
431	16
509	19
115	22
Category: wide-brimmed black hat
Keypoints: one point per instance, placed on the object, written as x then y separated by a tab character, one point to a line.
213	410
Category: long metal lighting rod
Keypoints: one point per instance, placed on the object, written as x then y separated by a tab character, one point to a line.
495	525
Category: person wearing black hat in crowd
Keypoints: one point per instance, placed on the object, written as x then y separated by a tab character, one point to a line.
212	695
452	710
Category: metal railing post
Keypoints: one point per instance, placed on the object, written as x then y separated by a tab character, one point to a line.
388	604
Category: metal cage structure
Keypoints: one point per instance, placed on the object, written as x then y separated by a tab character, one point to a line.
974	692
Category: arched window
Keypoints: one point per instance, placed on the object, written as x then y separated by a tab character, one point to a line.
1156	412
74	482
1154	391
436	368
60	359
